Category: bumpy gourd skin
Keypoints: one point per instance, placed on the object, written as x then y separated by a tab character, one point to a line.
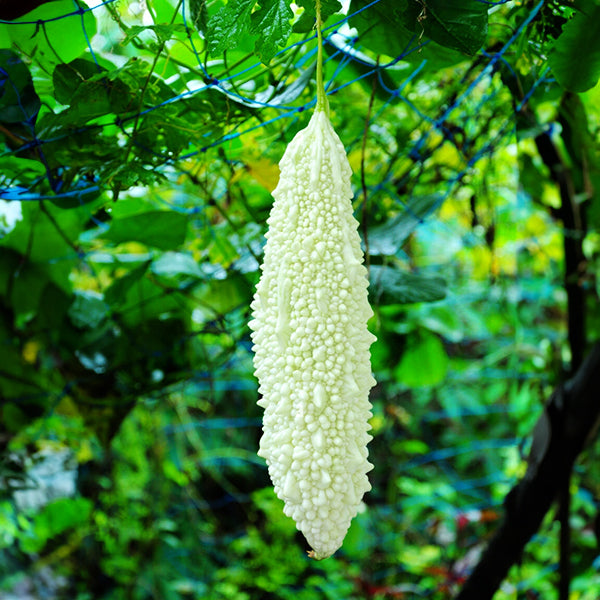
311	341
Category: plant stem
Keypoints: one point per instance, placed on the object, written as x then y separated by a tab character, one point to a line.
322	103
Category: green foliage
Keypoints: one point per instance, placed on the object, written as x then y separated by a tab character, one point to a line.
450	23
127	269
55	519
383	29
161	229
575	57
271	23
424	361
51	33
306	22
391	27
392	286
18	101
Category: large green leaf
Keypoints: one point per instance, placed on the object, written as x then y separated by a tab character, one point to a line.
88	309
271	22
92	92
221	296
382	27
172	265
146	301
575	58
22	282
49	36
391	27
161	229
21	169
454	24
392	286
388	238
68	77
47	235
229	24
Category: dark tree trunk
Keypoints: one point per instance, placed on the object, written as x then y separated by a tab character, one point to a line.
569	420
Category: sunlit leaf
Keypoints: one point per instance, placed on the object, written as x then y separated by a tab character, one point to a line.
53	33
424	361
161	229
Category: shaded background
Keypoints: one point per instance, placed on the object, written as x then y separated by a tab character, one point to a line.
140	146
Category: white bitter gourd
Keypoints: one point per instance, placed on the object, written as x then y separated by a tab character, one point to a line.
311	342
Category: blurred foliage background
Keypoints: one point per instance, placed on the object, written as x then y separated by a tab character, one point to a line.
140	143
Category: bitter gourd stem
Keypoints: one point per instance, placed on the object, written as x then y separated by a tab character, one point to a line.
322	103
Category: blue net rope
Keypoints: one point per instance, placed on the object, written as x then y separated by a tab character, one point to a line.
345	52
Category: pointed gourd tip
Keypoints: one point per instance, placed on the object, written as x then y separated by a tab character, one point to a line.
316	555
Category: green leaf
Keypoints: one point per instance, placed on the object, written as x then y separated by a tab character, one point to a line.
383	26
273	24
124	175
13	418
199	14
389	285
67	78
53	306
387	239
91	92
88	309
50	37
43	237
161	229
83	193
21	282
221	296
454	24
146	301
306	22
229	24
176	264
424	361
55	518
391	27
19	102
118	289
21	168
575	58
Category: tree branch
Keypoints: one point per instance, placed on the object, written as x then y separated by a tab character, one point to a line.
569	420
574	229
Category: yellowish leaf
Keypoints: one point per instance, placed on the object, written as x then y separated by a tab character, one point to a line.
265	172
